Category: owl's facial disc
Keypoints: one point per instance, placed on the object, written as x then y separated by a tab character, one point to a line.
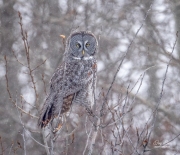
82	45
89	43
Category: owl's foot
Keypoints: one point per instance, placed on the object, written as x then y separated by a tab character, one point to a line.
57	128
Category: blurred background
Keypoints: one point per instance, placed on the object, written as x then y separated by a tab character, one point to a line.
138	84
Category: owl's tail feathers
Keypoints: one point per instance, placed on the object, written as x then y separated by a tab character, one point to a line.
51	109
46	116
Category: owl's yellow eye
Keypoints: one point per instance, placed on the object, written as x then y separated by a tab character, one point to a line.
78	45
87	44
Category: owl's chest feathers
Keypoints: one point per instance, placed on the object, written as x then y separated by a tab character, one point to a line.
79	72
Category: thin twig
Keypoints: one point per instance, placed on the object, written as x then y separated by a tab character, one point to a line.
27	132
119	66
27	51
18	59
22	134
9	93
170	140
39	65
162	89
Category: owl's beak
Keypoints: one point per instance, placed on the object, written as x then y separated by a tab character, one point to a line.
83	52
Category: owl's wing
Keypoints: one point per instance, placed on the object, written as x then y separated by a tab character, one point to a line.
60	96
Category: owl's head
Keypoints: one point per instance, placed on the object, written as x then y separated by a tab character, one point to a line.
82	45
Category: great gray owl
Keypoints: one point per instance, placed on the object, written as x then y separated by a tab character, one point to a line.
74	81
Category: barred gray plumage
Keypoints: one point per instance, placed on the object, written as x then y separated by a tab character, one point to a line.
75	80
